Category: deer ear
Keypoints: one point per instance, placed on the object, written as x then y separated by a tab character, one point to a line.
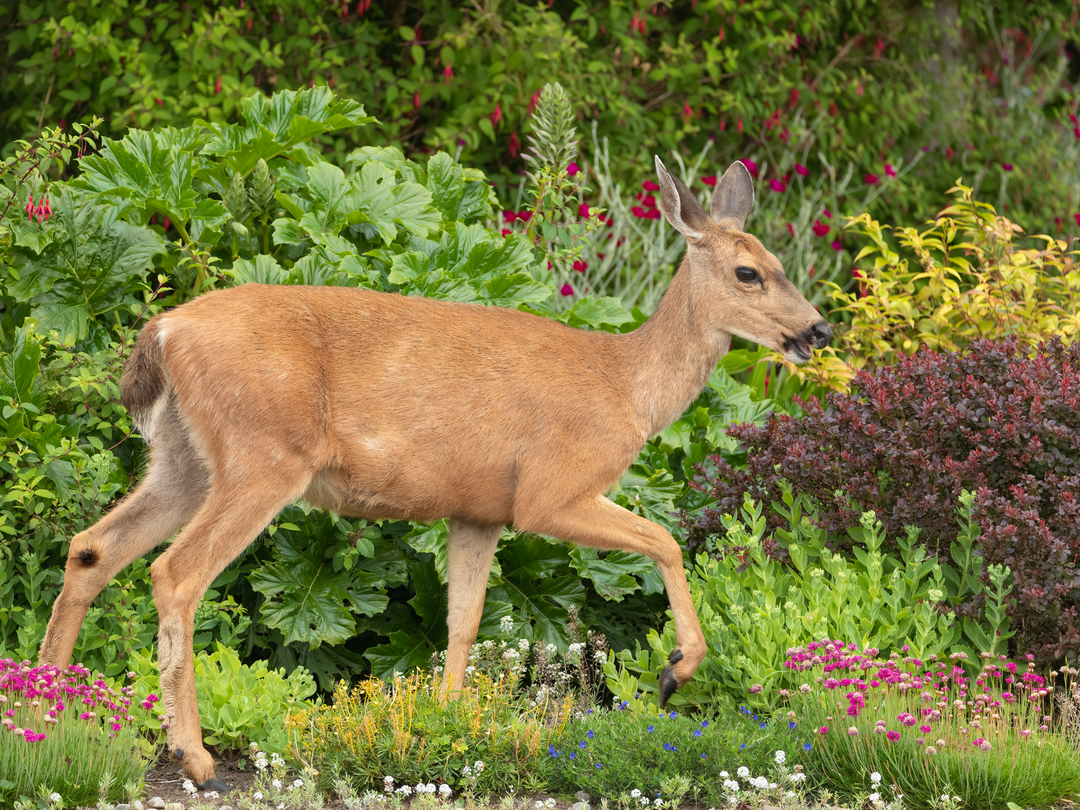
680	206
733	199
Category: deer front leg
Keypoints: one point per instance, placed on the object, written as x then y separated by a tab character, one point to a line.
470	550
596	521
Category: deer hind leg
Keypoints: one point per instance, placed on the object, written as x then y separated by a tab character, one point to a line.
597	522
470	550
171	491
231	518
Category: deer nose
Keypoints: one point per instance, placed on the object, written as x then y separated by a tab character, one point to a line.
820	335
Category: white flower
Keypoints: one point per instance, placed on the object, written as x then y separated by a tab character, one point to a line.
797	777
731	786
478	766
257	796
875	777
724	774
211	794
523	645
635	793
743	772
874	798
277	784
55	797
539	805
189	787
790	794
444	789
404	790
388	780
550	802
759	782
644	801
781	757
659	803
298	783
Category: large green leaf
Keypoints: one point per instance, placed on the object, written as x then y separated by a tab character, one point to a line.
306	599
92	265
615	574
461	195
275	125
414	634
385	203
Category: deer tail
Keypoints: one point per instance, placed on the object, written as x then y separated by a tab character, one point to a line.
144	384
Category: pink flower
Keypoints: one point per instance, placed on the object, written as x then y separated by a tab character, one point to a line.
416	100
755	689
505	232
1077	218
889	170
710	180
509	216
1072	117
777	185
524	216
581	266
30	209
749	164
1076	132
892	736
639	212
217	86
819	229
836	245
649	185
791	230
925	729
496	116
567	289
583	210
801	170
827	214
823	730
515	144
448	74
871	178
1007	167
573	169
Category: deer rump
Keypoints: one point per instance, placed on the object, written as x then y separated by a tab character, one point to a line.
396	407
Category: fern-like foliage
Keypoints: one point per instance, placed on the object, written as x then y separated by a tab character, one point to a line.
553	141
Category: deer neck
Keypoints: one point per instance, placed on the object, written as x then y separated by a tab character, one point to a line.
671	356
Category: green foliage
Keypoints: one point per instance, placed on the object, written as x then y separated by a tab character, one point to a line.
238	704
753	608
635	747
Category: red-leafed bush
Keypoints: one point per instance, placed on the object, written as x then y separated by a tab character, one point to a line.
911	437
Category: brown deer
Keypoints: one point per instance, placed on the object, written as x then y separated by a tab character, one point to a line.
378	405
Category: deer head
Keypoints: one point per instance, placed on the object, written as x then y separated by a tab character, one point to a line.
742	285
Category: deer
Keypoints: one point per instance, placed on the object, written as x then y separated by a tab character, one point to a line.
383	406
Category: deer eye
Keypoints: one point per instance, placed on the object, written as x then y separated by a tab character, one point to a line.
746	274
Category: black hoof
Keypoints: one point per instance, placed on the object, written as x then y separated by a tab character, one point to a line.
668	684
215	784
178	753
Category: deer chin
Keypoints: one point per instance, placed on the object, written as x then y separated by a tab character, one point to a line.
795	350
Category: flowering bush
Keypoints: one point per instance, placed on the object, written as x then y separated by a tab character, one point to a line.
69	731
910	438
928	728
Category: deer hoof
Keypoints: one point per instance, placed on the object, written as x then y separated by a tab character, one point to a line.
668	684
215	784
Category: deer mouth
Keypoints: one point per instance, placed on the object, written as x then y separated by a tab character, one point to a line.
799	348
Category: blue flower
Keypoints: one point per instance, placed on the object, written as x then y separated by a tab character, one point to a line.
650	729
589	711
573	755
590	734
622	706
552	752
697	732
741	747
703	756
670	747
672	715
807	747
704	723
598	766
581	744
763	724
792	724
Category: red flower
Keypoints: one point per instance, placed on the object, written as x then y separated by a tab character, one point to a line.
567	289
1057	221
649	185
524	216
533	100
889	170
448	74
496	116
639	212
581	266
515	145
648	200
871	178
778	185
827	213
506	231
217	86
738	125
819	229
791	230
801	170
510	216
30	208
1007	167
1076	132
687	113
1072	118
1077	218
750	165
583	210
836	245
773	120
710	180
573	169
416	100
949	150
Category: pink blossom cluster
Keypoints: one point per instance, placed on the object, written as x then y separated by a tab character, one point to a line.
41	212
943	694
41	694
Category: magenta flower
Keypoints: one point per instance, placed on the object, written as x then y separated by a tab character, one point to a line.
649	185
581	266
924	729
892	736
819	229
710	180
567	289
778	185
510	216
448	74
889	170
515	144
750	165
871	178
827	214
801	170
573	169
791	230
836	245
583	210
1007	167
823	730
496	115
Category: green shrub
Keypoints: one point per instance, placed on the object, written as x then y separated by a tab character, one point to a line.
238	704
753	608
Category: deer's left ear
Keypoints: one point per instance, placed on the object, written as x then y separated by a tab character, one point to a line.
734	198
679	205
